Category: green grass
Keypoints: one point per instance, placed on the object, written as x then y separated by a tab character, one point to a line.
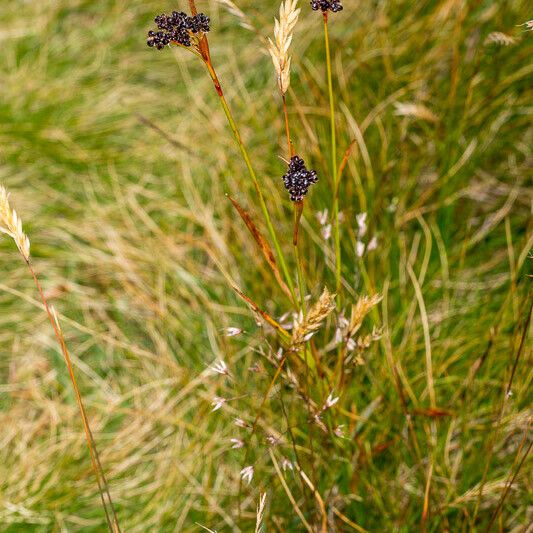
133	239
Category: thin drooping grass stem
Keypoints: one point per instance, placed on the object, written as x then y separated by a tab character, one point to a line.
251	171
103	487
336	229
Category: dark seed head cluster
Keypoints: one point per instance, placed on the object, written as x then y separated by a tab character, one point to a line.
178	28
298	179
325	5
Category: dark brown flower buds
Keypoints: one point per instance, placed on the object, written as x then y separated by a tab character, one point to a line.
325	5
177	28
298	179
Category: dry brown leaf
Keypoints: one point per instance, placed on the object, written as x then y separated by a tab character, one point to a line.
263	245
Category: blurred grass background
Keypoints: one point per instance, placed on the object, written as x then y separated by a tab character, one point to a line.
128	226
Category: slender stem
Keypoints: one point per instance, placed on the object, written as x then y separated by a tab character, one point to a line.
496	431
511	477
333	160
298	209
293	443
256	421
91	445
290	150
251	171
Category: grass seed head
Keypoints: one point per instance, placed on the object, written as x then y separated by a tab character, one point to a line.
500	38
217	403
247	474
220	367
11	225
279	48
260	512
236	444
314	319
359	311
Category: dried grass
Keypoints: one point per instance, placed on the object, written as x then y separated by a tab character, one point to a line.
11	225
130	252
306	326
279	48
500	38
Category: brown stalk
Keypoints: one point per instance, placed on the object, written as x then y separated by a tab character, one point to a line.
343	164
256	309
511	477
112	522
263	244
290	147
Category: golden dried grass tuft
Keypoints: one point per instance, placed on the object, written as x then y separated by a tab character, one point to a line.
306	326
279	48
11	225
260	513
500	38
359	311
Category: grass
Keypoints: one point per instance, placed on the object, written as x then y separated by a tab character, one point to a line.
137	247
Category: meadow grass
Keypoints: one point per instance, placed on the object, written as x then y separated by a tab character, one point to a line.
118	159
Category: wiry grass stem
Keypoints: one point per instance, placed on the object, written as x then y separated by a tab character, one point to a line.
298	209
290	150
251	171
336	229
105	495
498	426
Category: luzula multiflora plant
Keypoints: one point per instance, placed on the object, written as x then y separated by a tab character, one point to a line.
11	225
180	29
303	368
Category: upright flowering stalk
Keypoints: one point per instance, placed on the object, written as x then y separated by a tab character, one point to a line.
190	32
11	225
334	6
279	51
298	179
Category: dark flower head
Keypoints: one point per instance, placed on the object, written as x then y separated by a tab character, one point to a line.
325	5
298	179
199	23
177	28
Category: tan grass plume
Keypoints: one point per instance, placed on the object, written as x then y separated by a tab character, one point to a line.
260	513
307	326
279	48
359	311
11	225
500	38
